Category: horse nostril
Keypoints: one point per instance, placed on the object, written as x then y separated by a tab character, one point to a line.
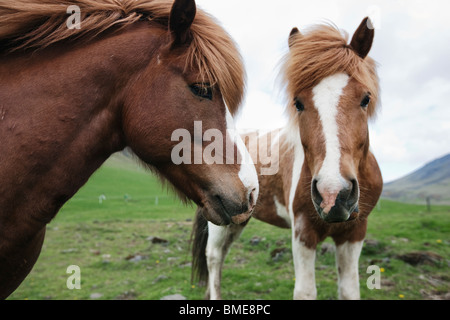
354	192
235	206
348	196
317	198
251	200
354	184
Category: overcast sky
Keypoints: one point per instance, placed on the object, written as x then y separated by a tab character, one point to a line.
411	46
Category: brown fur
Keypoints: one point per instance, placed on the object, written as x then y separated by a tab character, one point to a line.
271	186
37	24
66	107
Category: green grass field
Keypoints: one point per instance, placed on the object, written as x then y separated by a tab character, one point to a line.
111	244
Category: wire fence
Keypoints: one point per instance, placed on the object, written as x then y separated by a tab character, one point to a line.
150	200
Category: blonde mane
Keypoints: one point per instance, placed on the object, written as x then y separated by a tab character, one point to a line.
37	24
321	52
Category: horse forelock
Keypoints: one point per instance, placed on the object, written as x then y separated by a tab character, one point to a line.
323	51
37	24
216	55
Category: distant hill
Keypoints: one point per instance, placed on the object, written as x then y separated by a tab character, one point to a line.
432	180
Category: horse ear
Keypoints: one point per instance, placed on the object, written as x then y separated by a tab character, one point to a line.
294	33
363	38
181	17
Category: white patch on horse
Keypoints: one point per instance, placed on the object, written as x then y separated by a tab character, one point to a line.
247	172
297	164
299	157
215	256
304	264
326	96
347	256
281	211
219	242
304	257
291	133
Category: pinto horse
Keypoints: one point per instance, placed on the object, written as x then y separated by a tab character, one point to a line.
328	180
135	71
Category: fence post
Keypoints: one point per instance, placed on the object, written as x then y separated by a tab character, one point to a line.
428	203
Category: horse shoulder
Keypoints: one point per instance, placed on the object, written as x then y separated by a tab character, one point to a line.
273	205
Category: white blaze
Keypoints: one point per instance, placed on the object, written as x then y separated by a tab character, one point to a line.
247	172
326	97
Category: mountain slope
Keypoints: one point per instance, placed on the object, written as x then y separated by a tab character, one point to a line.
432	180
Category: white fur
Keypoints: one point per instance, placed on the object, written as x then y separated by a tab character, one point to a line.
326	96
219	242
304	264
304	257
281	211
347	256
247	172
299	157
215	256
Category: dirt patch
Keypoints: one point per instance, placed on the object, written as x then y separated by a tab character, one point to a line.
421	257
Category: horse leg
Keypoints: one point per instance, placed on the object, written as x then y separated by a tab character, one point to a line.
219	242
347	256
304	264
17	260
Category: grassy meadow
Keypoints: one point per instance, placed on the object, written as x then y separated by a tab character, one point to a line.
111	242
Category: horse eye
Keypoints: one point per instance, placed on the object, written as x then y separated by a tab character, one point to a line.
365	102
299	105
203	90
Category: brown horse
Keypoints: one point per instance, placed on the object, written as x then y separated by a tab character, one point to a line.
328	181
133	73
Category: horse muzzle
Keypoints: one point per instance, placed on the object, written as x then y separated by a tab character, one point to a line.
225	209
338	206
